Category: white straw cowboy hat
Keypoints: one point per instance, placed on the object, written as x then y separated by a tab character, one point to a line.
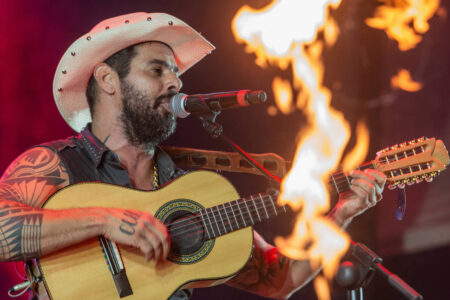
110	36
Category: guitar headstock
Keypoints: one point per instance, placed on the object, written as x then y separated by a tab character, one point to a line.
412	162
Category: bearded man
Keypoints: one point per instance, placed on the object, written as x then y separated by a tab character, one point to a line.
113	85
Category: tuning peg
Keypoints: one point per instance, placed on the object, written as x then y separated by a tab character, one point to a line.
401	185
392	187
410	182
419	180
429	179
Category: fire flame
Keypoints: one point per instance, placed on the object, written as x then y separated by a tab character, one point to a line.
285	34
283	95
357	155
403	81
404	20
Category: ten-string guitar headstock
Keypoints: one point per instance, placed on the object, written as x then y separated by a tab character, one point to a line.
412	162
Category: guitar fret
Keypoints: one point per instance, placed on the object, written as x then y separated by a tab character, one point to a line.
249	213
242	216
273	204
226	214
334	181
211	224
264	206
232	210
256	208
206	226
220	215
215	220
348	181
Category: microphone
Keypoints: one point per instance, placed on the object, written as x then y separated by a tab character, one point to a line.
182	105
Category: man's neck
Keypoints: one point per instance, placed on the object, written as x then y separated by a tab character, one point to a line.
136	160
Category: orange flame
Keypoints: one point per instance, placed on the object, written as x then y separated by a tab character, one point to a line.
357	155
285	33
404	81
404	20
283	95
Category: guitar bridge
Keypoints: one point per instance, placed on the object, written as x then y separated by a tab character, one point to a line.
115	264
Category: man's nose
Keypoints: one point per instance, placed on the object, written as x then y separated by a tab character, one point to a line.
173	83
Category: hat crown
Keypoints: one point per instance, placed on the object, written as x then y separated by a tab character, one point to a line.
118	21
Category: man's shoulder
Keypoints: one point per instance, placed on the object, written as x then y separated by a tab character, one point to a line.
61	144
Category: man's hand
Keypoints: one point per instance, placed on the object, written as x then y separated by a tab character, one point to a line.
138	229
365	191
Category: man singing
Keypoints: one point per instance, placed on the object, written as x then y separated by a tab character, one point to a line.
113	86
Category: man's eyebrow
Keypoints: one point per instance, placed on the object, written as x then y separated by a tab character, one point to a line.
163	63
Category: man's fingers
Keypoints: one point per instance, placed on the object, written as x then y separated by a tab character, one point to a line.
162	236
366	190
152	240
380	177
370	179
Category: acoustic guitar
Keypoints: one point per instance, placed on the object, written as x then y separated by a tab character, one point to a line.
210	228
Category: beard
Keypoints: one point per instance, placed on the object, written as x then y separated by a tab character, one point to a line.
142	124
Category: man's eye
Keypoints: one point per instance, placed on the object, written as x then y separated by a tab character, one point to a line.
157	71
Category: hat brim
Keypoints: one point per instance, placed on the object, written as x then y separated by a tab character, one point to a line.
110	36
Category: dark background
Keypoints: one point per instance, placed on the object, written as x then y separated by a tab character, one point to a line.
35	34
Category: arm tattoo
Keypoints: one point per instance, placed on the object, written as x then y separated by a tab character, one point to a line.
265	272
25	185
129	221
33	177
20	232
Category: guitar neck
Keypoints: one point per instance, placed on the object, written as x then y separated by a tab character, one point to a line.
340	182
231	216
405	163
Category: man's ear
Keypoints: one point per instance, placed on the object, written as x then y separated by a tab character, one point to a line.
107	79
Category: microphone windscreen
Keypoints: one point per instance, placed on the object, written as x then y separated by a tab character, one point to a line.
176	106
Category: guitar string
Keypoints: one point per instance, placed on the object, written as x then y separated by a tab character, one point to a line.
218	213
243	217
219	210
189	233
342	179
338	180
264	197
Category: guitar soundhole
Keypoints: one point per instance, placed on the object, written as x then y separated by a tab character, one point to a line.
186	232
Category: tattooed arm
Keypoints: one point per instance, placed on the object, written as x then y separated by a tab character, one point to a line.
273	275
29	231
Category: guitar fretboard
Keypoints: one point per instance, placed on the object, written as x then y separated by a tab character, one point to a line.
340	182
238	214
231	216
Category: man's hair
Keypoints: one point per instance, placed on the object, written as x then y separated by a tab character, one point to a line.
119	62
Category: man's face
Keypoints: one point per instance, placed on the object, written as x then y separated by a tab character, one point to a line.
146	91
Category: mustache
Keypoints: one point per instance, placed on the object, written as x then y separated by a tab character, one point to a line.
161	98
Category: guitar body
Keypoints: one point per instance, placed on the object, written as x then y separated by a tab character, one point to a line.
81	271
